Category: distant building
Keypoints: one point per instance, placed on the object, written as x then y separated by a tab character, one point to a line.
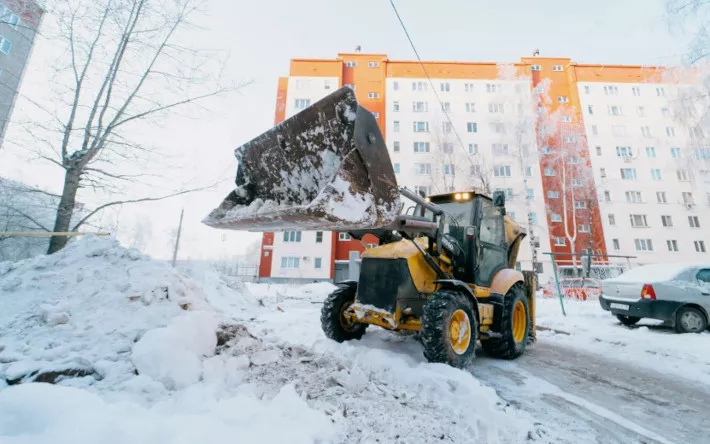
638	186
19	23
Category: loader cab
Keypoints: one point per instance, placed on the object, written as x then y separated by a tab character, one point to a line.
476	223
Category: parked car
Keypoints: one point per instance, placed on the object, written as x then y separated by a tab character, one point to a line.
678	294
575	288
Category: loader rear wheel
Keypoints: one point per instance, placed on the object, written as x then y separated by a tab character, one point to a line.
513	324
336	326
449	329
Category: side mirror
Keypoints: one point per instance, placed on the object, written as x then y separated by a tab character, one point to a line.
499	199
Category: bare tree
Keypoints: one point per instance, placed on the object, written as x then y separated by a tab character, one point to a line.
128	63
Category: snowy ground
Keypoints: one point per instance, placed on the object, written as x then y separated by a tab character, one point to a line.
164	355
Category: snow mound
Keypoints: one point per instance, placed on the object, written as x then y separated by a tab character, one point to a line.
112	309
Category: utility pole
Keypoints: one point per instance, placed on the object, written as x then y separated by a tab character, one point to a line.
177	239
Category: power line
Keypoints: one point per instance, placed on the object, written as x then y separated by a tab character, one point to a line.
421	63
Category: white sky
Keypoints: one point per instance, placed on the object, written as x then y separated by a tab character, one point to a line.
263	35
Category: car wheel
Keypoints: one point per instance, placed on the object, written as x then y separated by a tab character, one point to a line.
628	320
690	320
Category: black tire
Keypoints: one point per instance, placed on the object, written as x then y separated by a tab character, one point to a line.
334	325
437	316
699	321
628	320
506	346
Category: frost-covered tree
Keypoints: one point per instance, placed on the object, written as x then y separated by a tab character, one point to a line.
124	63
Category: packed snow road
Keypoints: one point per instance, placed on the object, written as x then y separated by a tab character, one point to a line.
598	399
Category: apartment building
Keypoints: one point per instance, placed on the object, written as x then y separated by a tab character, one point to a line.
592	158
19	22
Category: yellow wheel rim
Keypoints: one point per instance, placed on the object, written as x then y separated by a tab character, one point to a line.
520	321
459	332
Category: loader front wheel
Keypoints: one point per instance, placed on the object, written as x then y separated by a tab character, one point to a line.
512	323
449	329
333	322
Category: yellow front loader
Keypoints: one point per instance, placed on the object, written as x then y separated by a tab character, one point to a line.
444	267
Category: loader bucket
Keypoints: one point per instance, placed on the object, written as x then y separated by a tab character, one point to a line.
326	168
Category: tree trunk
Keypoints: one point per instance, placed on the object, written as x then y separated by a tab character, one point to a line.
65	210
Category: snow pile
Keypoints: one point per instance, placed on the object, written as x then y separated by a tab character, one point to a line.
587	326
133	352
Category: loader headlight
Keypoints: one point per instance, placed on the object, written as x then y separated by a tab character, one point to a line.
466	196
457	196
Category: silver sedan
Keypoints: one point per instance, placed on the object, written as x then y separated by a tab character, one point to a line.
678	294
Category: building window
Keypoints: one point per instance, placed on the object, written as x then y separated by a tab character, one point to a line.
667	221
535	67
395	107
395	85
595	131
5	45
447	148
395	146
532	217
638	220
683	175
699	246
623	151
373	95
661	197
396	168
492	87
580	204
446	107
584	228
650	151
449	169
553	194
326	84
628	173
494	108
396	126
599	150
646	131
472	127
500	149
501	171
422	168
641	111
445	87
602	172
615	110
611	90
531	194
549	172
292	236
660	92
670	131
554	217
656	174
562	99
302	103
528	171
643	244
420	127
426	189
607	196
446	127
468	87
318	263
373	64
587	90
421	147
672	245
350	64
615	244
688	198
559	241
612	220
590	109
557	67
634	197
546	150
666	112
675	153
694	222
319	237
472	148
344	237
419	86
476	170
290	262
470	107
636	90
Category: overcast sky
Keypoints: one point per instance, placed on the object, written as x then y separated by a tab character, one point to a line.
261	36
